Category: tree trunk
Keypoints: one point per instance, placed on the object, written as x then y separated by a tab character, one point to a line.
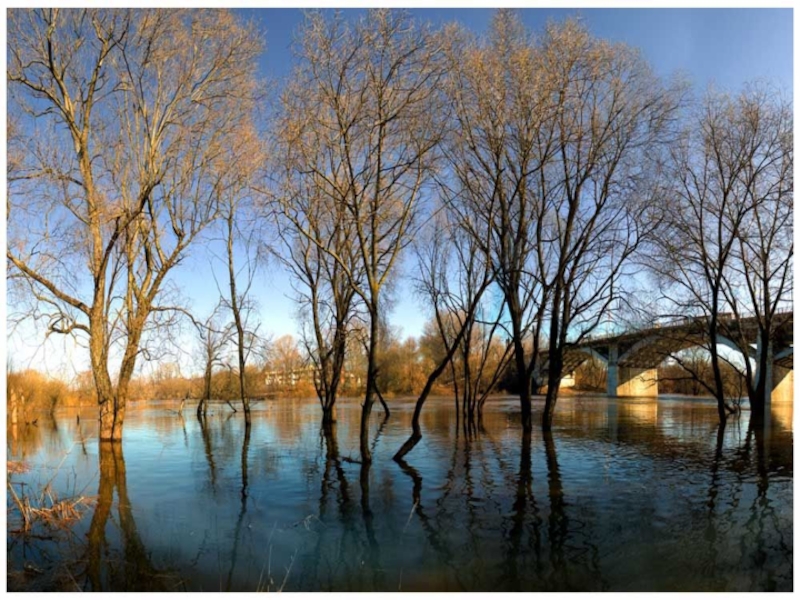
113	399
757	394
107	419
383	402
119	417
715	367
549	407
106	396
112	415
366	409
331	443
553	381
524	383
523	371
329	414
416	430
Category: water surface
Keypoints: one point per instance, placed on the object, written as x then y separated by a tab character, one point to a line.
626	494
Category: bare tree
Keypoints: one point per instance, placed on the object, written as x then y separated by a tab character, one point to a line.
549	162
213	338
497	155
364	113
726	250
241	232
326	298
454	278
141	111
760	280
441	282
612	122
285	356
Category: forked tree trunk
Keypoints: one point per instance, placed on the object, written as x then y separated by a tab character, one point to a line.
112	417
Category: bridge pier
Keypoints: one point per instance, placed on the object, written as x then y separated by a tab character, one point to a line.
567	381
612	374
780	380
782	385
629	381
637	381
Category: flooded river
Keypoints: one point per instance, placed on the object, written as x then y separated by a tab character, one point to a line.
626	494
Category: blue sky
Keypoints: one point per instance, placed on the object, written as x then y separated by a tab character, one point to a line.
723	47
726	46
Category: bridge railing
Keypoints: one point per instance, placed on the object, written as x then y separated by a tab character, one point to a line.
670	323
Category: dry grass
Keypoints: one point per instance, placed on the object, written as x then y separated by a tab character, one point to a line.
43	507
16	466
46	508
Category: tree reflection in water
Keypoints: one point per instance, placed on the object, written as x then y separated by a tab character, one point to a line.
524	502
765	539
347	548
669	501
243	509
465	542
205	433
106	569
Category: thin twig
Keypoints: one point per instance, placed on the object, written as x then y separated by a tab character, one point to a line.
288	570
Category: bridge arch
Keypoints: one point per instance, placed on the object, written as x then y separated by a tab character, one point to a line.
633	358
663	346
633	372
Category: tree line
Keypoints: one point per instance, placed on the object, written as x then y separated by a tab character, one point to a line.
535	180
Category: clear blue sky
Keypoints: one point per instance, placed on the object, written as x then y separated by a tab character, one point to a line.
723	47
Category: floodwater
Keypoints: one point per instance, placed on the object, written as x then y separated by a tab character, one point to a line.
627	494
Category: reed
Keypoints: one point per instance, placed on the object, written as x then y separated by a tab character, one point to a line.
44	506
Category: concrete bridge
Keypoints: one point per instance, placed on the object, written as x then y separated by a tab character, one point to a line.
632	358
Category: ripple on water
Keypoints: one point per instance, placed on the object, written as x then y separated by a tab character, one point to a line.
629	494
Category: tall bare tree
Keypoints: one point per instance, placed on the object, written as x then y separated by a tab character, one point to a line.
451	277
549	163
454	278
364	112
129	120
326	298
241	231
497	156
612	121
726	249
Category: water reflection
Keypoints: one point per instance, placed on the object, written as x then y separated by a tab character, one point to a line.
623	495
209	452
524	505
126	565
243	494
